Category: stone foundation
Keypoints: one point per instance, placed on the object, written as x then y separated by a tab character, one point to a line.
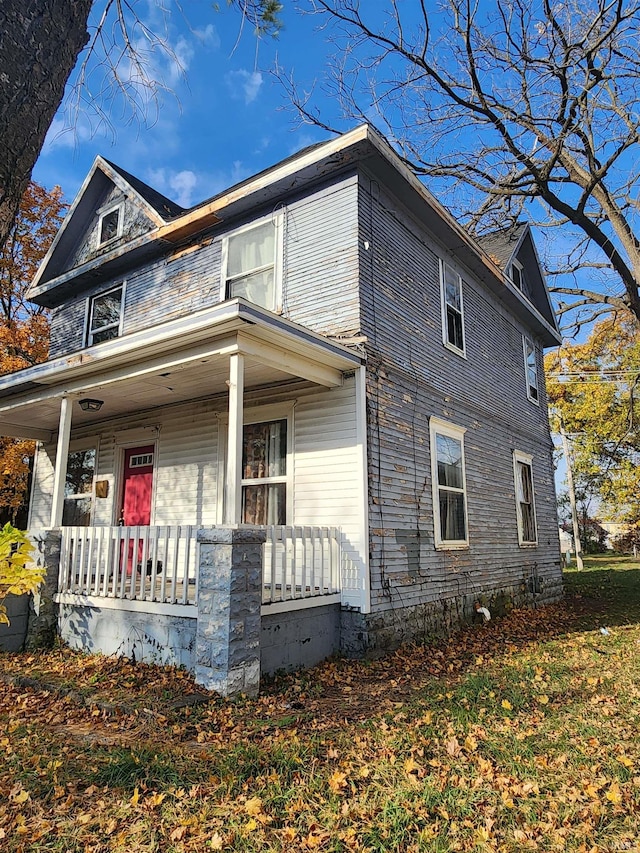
371	634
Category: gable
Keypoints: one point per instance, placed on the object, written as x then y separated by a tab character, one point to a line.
110	210
515	253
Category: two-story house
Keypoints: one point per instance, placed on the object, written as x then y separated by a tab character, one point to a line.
321	353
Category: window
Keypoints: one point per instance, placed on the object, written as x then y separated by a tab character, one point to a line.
105	316
251	264
449	490
78	488
517	275
452	309
525	505
531	370
264	473
109	225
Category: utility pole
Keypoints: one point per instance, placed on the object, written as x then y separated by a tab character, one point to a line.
572	495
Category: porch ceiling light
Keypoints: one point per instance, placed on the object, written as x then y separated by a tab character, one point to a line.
89	405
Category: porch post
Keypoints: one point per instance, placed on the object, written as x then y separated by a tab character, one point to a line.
233	487
62	452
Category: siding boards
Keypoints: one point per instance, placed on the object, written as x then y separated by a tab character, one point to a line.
320	274
411	376
321	259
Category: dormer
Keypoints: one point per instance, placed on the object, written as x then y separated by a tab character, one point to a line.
514	251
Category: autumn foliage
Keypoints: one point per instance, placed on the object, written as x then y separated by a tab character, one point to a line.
24	327
518	735
18	573
595	388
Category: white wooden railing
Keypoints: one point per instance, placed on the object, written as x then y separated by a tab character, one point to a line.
159	563
155	563
300	562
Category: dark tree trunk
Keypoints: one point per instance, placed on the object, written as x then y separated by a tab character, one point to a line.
39	44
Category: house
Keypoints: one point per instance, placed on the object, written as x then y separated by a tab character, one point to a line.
306	416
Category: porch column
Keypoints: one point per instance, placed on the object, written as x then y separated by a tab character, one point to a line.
229	598
62	452
233	486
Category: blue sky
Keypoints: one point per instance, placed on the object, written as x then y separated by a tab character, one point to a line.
227	120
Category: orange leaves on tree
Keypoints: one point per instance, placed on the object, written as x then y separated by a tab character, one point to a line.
24	327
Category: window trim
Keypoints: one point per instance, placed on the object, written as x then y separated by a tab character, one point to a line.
277	220
89	331
521	458
258	415
119	206
527	344
438	426
443	310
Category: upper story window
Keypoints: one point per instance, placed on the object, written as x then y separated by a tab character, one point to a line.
251	266
516	274
449	484
531	370
525	504
110	225
452	308
105	316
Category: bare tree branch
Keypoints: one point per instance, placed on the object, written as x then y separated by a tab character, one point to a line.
510	108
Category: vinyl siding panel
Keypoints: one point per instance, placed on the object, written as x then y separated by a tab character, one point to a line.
326	474
321	259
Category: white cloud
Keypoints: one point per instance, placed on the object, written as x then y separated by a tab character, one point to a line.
244	84
178	186
208	36
63	134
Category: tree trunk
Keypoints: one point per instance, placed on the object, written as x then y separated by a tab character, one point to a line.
39	46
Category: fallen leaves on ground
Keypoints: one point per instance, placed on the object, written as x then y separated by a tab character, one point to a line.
517	735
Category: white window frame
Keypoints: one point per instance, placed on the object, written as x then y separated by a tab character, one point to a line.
277	220
444	267
119	207
75	447
440	427
520	458
528	347
516	265
259	415
90	332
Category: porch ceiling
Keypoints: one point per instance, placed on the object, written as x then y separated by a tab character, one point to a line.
177	361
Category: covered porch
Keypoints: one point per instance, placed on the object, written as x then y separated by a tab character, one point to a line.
190	394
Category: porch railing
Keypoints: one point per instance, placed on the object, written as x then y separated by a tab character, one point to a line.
155	563
159	563
300	562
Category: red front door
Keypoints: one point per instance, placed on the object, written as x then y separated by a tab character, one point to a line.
138	486
136	496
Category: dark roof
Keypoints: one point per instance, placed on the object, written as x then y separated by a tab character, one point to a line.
166	208
500	245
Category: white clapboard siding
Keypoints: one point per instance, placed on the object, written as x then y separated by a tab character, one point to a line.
327	476
321	259
42	487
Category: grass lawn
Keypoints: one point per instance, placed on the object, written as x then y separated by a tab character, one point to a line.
519	735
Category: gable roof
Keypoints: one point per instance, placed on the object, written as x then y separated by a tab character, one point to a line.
156	207
361	148
514	243
165	208
503	245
